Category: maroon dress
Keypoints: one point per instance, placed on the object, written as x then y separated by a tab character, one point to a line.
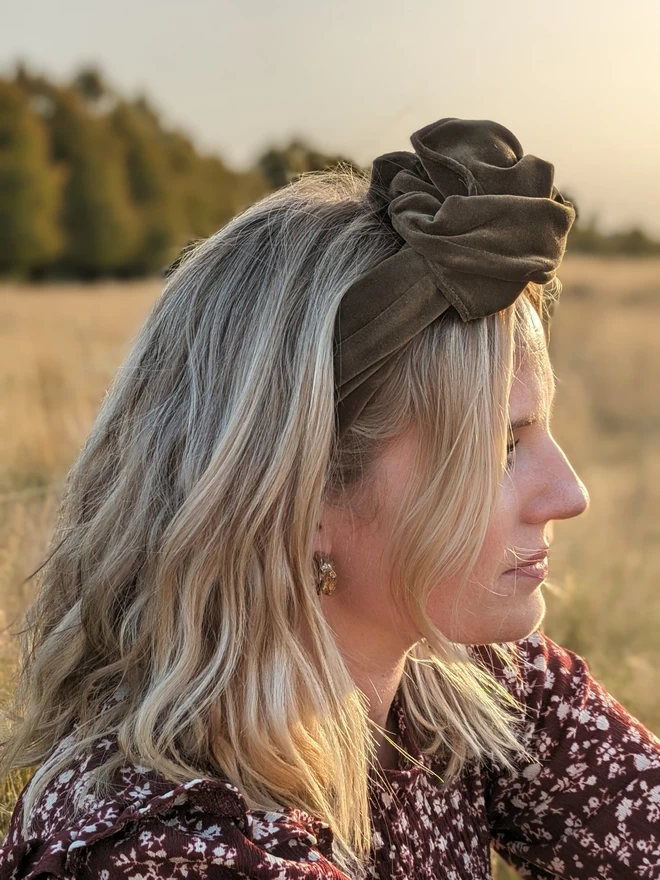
588	810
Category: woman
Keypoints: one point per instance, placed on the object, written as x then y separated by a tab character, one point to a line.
288	625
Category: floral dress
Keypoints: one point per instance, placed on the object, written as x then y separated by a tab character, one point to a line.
587	809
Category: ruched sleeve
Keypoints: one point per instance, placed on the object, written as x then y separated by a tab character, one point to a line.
196	830
589	805
184	845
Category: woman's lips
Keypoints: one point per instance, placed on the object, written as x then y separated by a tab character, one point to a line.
537	570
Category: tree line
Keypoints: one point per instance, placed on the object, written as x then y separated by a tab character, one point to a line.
94	184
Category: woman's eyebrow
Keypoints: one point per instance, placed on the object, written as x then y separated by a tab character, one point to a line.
524	422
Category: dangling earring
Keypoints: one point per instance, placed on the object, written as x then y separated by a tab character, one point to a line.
326	576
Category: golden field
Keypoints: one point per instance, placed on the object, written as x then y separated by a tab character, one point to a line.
60	345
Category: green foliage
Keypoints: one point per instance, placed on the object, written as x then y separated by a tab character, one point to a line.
100	221
89	83
30	187
588	239
94	184
161	222
281	166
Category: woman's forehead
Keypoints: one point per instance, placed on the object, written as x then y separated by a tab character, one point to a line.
531	342
533	386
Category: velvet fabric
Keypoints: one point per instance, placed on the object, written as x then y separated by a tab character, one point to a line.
478	220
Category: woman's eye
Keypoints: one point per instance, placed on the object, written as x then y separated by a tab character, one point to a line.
510	448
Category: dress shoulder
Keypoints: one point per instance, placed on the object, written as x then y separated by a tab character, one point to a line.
202	828
588	805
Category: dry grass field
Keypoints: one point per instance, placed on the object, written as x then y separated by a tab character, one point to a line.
60	346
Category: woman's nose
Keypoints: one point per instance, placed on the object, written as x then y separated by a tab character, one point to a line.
562	493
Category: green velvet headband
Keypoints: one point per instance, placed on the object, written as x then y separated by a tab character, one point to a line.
479	220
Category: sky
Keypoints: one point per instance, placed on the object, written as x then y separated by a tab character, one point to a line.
577	81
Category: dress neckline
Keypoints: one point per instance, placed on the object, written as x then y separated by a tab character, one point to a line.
406	770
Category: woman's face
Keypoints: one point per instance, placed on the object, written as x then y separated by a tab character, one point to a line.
498	603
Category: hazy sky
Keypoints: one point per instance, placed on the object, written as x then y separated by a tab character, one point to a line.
577	81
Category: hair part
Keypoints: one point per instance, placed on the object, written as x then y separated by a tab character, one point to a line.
182	559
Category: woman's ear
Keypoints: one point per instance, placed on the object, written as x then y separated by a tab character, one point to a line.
320	540
328	525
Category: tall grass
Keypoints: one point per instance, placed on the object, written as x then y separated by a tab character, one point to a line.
59	348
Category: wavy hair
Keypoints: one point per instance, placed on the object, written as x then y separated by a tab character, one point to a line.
180	571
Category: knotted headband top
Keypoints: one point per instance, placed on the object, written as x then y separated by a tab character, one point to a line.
479	220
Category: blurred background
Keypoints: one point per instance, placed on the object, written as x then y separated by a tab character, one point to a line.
129	129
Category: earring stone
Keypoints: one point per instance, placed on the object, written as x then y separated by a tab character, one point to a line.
326	579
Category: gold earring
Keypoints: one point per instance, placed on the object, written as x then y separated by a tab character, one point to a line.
326	576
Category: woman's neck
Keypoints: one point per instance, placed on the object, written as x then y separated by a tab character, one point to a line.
387	755
379	685
375	662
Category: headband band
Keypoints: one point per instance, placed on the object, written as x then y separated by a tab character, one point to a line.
479	220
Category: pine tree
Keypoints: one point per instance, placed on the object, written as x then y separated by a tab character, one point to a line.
162	225
30	188
100	221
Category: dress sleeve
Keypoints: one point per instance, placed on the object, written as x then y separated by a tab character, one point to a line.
589	805
183	846
195	831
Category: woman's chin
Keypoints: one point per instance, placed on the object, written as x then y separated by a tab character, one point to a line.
522	619
502	622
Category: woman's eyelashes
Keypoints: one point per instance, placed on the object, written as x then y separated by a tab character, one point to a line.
511	453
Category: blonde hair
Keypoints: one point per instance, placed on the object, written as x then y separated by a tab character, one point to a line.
181	563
